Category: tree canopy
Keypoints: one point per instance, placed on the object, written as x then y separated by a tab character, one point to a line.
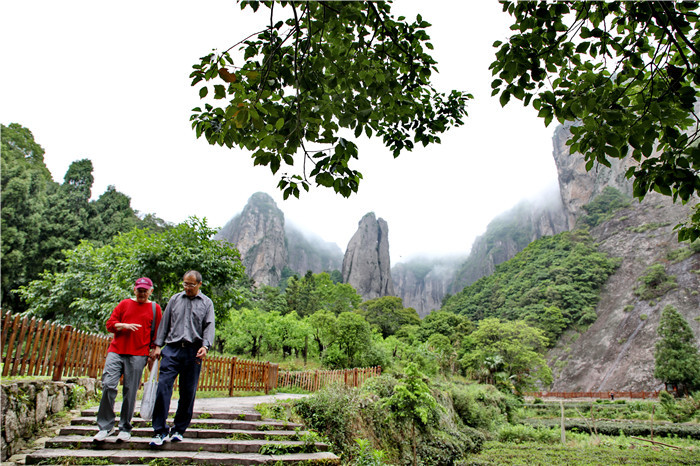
676	353
94	279
627	74
317	71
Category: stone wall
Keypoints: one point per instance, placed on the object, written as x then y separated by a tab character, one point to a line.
26	405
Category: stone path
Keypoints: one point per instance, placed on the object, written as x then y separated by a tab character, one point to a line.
224	431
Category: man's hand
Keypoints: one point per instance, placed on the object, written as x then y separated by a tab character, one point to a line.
123	326
202	352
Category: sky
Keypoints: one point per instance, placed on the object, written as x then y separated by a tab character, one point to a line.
108	81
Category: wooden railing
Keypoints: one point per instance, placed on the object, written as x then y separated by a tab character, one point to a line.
601	395
315	380
33	347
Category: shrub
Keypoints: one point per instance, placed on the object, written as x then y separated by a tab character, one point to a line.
520	433
482	406
655	283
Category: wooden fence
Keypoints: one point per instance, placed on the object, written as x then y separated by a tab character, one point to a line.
315	380
33	347
601	395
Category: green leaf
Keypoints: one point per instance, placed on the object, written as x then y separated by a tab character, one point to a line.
203	92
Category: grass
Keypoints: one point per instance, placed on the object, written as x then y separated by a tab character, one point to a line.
535	453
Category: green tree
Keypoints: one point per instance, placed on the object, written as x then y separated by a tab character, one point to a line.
676	353
388	314
246	331
453	326
25	181
518	346
335	296
323	324
322	68
111	214
94	279
626	72
302	295
353	336
413	403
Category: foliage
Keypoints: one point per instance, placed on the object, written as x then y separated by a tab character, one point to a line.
508	354
655	283
388	314
564	271
320	70
603	206
625	72
628	428
42	218
482	406
587	455
95	279
352	417
677	360
679	410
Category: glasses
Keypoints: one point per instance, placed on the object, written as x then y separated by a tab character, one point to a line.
190	285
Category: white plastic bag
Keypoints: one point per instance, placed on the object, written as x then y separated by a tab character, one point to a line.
149	393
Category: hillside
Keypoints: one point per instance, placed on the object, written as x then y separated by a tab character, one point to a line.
616	351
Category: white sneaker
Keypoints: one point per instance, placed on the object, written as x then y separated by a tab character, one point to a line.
103	434
158	440
123	436
175	437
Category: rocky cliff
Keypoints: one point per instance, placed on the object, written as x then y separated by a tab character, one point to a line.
577	186
423	283
258	233
508	234
366	265
267	244
307	251
617	350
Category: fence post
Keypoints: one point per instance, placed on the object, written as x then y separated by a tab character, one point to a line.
58	368
266	377
232	379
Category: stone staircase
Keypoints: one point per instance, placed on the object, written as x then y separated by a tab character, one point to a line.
216	438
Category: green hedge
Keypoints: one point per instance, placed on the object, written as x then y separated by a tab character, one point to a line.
628	428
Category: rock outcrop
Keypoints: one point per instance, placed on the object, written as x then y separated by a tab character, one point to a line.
578	186
617	351
423	283
258	233
268	245
508	234
366	265
307	251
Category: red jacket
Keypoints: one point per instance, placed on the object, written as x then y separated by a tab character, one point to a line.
135	343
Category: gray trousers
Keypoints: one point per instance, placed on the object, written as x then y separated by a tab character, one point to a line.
132	369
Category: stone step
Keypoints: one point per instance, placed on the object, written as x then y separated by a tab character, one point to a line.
218	445
262	425
241	434
241	415
64	456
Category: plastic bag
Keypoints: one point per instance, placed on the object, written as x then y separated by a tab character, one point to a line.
149	393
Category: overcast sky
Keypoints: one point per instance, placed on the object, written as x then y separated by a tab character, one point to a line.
109	81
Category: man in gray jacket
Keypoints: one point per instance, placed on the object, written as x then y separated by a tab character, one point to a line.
187	332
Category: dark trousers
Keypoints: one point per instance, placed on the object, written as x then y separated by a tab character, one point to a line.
176	361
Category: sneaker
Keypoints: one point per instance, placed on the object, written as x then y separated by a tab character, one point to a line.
123	436
175	437
102	435
158	440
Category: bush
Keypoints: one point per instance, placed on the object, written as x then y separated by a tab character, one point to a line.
679	410
521	433
482	406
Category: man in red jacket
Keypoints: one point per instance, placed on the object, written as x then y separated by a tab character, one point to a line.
134	328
